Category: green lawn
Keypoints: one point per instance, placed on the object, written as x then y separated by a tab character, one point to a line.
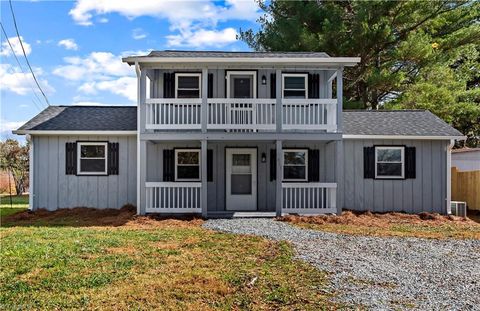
151	264
18	203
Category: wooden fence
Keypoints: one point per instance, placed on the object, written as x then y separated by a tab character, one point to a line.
466	187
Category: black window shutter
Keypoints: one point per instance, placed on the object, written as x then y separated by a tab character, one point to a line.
210	85
113	159
313	165
71	158
273	164
168	85
314	85
273	86
368	162
209	165
410	162
168	165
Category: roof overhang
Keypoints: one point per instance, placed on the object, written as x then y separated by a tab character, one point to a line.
284	61
406	137
79	133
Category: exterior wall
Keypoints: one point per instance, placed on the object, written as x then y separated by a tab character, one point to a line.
54	189
216	188
466	161
426	193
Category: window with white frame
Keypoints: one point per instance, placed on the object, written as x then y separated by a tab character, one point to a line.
294	85
187	165
389	162
295	163
92	158
188	85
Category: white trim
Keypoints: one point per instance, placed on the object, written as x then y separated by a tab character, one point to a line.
242	73
345	61
30	173
189	74
402	162
306	164
241	202
304	75
449	177
79	157
76	133
409	137
199	165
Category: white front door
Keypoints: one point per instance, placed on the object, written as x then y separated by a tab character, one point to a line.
241	186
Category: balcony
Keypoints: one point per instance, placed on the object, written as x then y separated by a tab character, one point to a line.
241	114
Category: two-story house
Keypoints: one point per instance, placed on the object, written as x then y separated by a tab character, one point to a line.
230	133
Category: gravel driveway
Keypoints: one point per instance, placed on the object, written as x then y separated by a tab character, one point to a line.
381	273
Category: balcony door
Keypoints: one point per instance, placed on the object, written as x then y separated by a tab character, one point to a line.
241	179
241	84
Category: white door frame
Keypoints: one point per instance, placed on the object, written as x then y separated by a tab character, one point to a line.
240	202
242	73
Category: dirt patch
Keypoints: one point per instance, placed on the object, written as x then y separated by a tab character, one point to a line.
378	219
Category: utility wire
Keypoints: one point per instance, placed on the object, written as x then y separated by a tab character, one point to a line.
21	68
25	54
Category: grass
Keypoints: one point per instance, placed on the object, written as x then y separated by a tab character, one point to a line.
392	224
19	203
150	264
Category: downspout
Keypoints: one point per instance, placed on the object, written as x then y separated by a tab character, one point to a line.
138	72
30	173
449	176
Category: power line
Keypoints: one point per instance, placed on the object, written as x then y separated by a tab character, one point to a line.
25	54
21	68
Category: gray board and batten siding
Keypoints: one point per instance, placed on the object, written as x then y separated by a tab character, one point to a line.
424	193
53	188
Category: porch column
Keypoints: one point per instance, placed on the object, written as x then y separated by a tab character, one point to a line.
339	160
278	101
278	182
340	100
141	145
204	107
203	195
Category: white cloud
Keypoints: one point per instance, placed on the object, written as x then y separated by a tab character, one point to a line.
138	34
17	48
103	20
185	17
6	127
13	80
101	72
68	44
203	37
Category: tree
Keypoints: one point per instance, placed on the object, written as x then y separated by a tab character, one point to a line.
14	158
401	44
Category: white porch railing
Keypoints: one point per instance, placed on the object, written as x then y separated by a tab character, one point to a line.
173	197
173	113
309	198
243	114
309	114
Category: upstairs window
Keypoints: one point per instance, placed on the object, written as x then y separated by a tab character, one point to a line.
92	158
187	165
295	85
295	163
187	85
389	162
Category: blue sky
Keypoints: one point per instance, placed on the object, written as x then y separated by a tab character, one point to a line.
75	47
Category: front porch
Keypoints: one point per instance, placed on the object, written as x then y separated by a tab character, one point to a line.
240	179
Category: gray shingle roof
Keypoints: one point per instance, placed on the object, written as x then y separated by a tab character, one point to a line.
396	122
172	53
84	118
124	118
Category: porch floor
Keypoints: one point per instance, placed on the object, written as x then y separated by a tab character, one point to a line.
231	214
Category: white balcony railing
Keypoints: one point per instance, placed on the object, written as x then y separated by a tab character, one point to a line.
309	198
173	113
173	197
241	114
309	114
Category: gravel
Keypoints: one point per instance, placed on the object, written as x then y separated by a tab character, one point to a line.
381	273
